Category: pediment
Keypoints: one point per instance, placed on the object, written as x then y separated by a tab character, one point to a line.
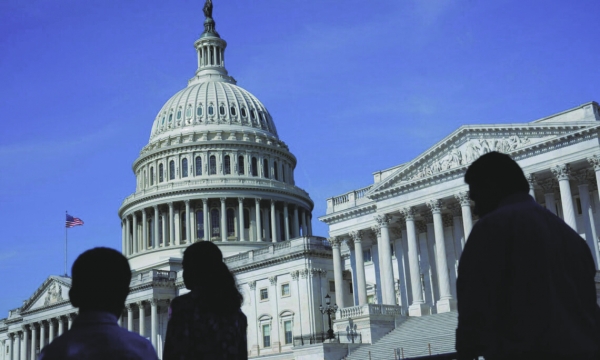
53	291
458	150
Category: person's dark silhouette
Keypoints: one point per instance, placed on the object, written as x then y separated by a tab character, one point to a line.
207	322
99	288
525	286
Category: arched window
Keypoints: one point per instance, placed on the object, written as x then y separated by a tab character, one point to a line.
184	167
222	110
200	224
178	114
233	112
160	173
171	170
244	113
227	165
211	110
275	171
230	222
246	219
241	165
182	218
198	165
151	175
266	167
212	164
170	117
188	112
163	121
199	110
254	167
253	114
215	230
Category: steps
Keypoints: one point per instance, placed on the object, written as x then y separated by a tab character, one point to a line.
413	336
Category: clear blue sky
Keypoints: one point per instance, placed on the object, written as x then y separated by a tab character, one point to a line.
353	87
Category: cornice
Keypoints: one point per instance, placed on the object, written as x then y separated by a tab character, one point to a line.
164	284
349	213
265	263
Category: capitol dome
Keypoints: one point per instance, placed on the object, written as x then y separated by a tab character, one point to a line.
214	169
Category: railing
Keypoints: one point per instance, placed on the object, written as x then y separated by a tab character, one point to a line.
164	275
349	199
369	309
238	257
360	193
319	338
284	247
341	199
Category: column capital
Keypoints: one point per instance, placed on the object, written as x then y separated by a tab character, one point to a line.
155	207
594	162
140	304
562	171
252	284
153	301
382	220
204	201
222	200
304	273
240	200
295	275
408	213
144	211
129	307
463	198
170	204
531	179
356	236
435	206
335	241
11	336
257	200
273	280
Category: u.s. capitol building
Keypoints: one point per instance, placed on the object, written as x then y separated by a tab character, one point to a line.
214	169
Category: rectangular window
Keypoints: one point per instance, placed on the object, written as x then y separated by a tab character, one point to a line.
332	286
266	330
264	294
287	327
367	255
285	289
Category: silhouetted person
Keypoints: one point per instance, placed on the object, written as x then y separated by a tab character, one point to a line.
525	280
206	323
99	287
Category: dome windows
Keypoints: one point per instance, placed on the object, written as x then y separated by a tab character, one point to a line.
184	167
163	121
227	165
198	165
233	111
212	165
241	165
222	110
211	110
170	117
171	170
151	175
266	168
178	114
254	167
199	110
243	112
188	112
160	173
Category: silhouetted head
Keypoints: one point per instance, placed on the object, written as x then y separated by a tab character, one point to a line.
205	273
100	281
493	177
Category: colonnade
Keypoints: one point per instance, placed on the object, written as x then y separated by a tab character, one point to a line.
223	219
26	343
141	307
557	178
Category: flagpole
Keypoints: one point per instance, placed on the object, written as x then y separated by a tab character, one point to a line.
66	212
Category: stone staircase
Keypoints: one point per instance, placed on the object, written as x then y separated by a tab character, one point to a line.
412	338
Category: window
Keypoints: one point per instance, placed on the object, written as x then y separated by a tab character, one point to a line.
199	110
183	217
170	117
285	289
246	219
253	114
332	286
152	175
198	165
266	330
200	224
230	222
160	173
178	114
188	112
367	255
264	294
171	170
227	165
233	112
275	171
163	121
184	167
211	110
222	110
212	164
287	328
370	299
266	167
254	167
243	111
214	223
241	165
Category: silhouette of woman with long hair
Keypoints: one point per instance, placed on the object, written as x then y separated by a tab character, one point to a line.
207	322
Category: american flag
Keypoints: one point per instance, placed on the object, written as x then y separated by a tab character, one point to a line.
73	221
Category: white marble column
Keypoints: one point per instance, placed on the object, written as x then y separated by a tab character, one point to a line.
286	221
223	220
273	222
465	205
51	330
11	352
144	231
418	307
135	234
32	354
548	187
172	225
129	308
42	334
188	235
69	321
61	325
25	343
153	321
385	261
587	213
18	346
155	243
361	283
531	180
123	238
337	270
205	219
258	223
595	162
142	313
563	174
127	236
295	223
446	303
241	218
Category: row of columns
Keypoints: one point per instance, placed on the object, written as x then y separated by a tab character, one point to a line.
141	308
300	224
211	55
26	343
